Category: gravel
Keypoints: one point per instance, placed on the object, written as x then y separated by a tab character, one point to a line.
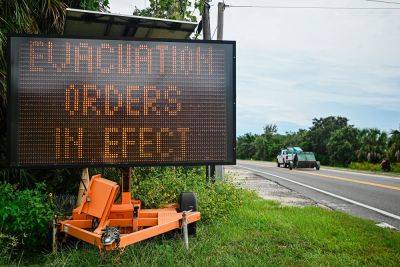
268	189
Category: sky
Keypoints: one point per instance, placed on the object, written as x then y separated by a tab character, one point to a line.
297	64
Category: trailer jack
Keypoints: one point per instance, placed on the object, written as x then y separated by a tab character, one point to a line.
99	221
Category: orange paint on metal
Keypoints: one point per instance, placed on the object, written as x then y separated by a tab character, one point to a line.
134	223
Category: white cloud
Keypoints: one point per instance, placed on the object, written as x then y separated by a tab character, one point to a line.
126	7
293	65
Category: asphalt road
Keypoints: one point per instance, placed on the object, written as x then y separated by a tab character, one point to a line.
370	196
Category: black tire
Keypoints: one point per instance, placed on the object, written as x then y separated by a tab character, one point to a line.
317	165
188	201
290	165
295	160
278	164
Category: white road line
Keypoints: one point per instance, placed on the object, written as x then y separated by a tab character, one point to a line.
391	215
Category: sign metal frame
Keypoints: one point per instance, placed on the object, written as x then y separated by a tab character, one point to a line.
12	108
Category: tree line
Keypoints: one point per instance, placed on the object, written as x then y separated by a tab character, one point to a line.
333	140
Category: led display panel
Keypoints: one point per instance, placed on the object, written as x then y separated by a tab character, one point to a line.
99	102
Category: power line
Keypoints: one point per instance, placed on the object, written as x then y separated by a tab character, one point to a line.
214	32
315	7
381	1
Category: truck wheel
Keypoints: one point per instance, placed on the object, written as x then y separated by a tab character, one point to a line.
188	201
278	164
317	166
290	165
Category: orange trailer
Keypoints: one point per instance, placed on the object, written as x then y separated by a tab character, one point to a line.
99	221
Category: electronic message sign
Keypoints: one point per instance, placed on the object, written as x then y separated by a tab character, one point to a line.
91	102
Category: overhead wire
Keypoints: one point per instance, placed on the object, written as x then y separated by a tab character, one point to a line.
214	31
320	7
378	1
313	7
381	1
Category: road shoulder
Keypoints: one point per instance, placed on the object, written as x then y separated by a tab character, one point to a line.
268	189
338	169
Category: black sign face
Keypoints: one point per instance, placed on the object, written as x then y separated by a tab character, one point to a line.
90	102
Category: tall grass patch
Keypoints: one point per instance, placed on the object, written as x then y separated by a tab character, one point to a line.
156	187
366	166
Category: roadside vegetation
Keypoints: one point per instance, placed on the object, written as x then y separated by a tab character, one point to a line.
237	228
333	140
366	166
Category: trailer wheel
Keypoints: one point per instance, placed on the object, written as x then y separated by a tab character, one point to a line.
188	201
290	165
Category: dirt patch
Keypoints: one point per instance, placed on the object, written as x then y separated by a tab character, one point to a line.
268	189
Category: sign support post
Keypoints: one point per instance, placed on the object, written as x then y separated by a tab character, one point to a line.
220	24
126	181
83	185
210	169
219	169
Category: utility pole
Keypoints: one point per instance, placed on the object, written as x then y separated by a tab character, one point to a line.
210	169
220	25
219	170
206	21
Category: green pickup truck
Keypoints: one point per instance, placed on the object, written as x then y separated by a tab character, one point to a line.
295	157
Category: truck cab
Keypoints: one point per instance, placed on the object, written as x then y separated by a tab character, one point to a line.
284	157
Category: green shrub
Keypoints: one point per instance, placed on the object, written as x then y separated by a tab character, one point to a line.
25	214
219	200
366	166
156	187
58	181
396	167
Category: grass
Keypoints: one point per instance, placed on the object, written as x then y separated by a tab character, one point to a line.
365	166
258	233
